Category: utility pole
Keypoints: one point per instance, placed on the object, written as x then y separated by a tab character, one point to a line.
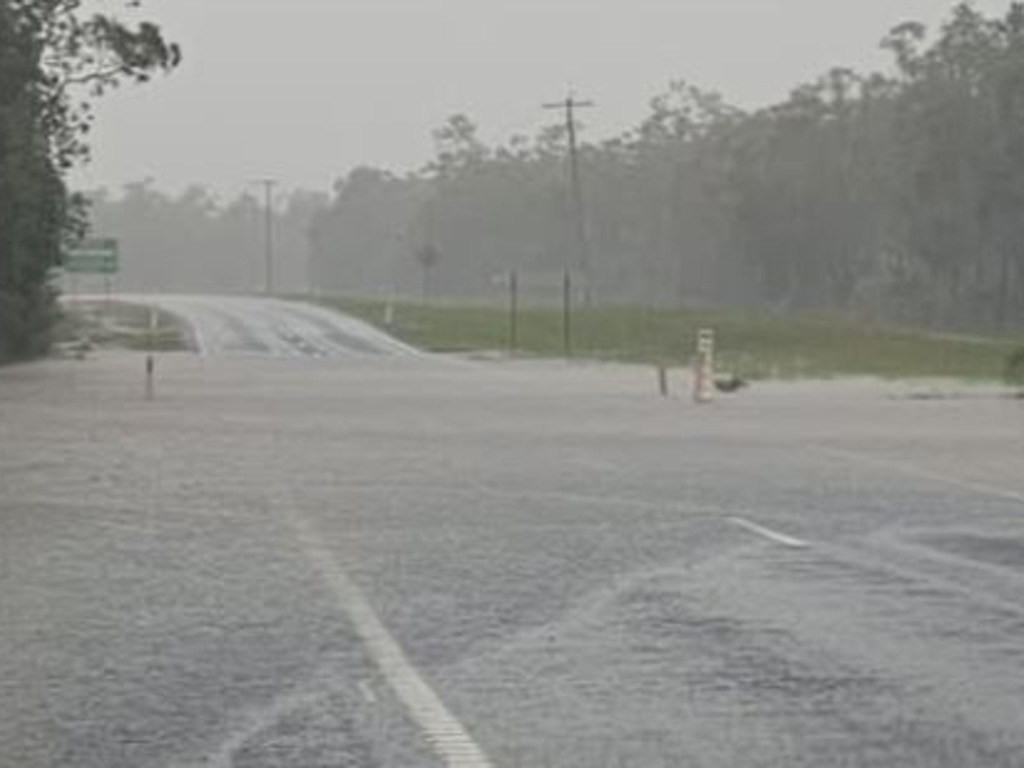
570	106
268	235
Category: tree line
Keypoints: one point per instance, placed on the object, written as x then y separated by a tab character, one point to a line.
195	241
898	195
54	61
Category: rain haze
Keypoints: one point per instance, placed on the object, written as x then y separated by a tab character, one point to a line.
307	89
493	384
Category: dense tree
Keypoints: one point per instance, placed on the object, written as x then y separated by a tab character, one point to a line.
898	194
428	257
360	240
194	241
53	60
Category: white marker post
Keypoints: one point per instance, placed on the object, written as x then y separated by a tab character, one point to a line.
704	368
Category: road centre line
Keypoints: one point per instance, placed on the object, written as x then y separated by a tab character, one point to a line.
910	470
446	734
768	533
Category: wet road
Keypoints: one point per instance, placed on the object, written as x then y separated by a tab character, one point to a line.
243	326
401	562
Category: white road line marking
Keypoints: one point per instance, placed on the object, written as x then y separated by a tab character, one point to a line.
910	470
367	691
768	533
259	721
450	740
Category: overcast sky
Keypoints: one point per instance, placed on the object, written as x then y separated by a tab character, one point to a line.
304	90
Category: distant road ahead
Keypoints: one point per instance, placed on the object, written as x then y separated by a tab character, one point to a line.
234	325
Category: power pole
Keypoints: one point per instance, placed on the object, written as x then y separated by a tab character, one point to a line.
268	236
570	105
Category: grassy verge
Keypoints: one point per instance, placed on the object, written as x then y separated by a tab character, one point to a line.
118	325
753	346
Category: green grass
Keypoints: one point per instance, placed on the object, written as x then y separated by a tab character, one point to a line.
119	325
755	346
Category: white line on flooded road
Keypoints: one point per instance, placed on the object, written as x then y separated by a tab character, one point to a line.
366	689
768	533
253	724
449	739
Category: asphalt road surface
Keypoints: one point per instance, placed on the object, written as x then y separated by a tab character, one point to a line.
242	326
398	561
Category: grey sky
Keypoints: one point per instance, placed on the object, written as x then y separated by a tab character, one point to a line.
306	89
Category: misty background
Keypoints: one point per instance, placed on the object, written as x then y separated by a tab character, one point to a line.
754	154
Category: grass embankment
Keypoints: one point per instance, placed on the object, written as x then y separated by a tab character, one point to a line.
119	325
754	346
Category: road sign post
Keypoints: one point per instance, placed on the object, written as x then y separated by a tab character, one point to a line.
97	256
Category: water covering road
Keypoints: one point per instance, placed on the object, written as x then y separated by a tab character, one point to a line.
296	561
236	325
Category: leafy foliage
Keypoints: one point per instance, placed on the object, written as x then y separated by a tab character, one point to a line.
53	61
893	195
195	241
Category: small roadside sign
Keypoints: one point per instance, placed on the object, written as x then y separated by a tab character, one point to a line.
98	256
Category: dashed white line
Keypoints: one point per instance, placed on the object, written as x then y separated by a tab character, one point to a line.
442	730
767	533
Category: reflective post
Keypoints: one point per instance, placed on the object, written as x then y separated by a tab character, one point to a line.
704	367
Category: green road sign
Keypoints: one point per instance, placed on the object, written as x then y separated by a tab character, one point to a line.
93	257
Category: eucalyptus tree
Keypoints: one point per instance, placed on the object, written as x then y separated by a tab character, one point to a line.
55	59
898	194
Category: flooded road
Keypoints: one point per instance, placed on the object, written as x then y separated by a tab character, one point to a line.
244	326
393	561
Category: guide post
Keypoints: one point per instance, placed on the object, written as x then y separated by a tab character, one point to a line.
704	367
